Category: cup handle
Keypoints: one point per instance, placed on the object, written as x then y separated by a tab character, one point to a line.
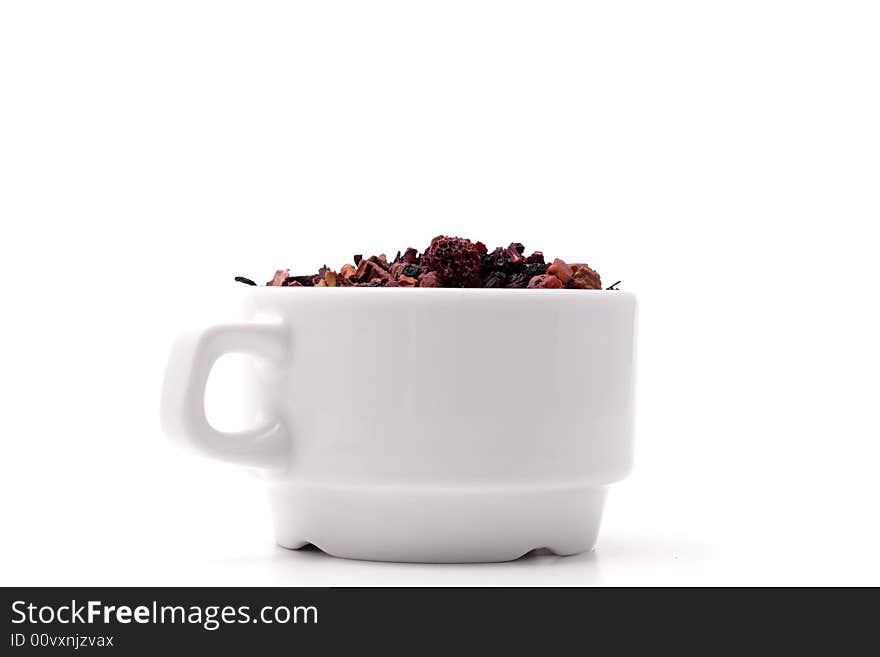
183	393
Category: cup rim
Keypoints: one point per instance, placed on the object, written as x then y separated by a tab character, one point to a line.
438	291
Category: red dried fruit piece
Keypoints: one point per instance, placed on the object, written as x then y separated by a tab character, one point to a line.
411	256
560	270
347	272
406	281
369	270
380	260
456	260
584	277
536	258
514	252
547	281
280	277
481	247
430	279
360	274
397	269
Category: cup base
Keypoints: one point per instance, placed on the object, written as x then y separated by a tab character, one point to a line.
437	525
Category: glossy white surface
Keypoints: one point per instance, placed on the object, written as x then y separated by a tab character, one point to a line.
423	425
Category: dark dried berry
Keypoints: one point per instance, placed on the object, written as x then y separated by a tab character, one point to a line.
499	258
456	260
517	248
246	281
488	263
532	269
496	279
357	259
537	256
518	280
504	260
413	271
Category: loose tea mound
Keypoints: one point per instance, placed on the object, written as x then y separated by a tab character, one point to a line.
450	262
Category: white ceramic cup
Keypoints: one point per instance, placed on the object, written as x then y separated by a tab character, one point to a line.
434	425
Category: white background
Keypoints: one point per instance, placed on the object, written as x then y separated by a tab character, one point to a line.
722	158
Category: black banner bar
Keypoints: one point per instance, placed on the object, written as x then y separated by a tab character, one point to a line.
149	620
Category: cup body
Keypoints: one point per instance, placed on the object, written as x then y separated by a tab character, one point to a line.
441	424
